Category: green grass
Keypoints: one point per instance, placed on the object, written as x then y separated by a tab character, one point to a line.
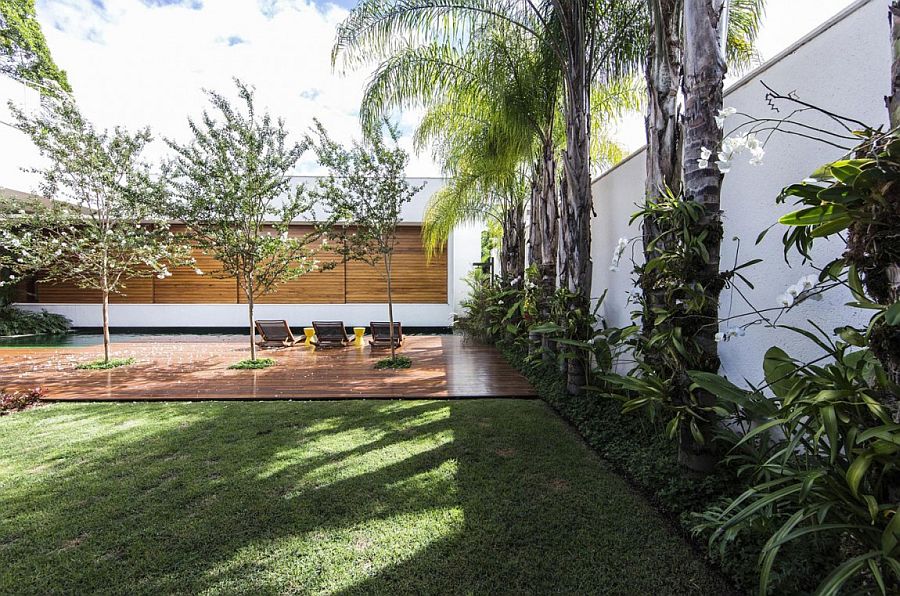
253	364
396	362
105	364
353	497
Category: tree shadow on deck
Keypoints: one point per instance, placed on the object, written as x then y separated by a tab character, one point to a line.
346	497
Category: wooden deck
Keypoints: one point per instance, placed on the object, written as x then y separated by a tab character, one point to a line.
444	366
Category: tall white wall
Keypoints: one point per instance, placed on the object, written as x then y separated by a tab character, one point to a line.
845	67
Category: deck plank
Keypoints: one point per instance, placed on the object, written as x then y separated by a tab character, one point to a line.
444	366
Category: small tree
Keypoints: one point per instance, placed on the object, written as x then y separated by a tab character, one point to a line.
102	231
364	192
230	187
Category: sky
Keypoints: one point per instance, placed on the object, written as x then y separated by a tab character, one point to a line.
145	62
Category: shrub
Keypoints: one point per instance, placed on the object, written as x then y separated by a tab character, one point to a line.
15	321
396	362
257	364
105	364
19	400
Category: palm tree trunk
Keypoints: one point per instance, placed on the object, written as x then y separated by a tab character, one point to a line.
549	228
578	204
893	99
704	69
664	135
535	235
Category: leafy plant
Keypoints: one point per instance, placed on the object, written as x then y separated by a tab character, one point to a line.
105	364
823	462
858	198
19	400
253	364
393	362
15	321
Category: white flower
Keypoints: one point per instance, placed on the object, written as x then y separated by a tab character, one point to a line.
808	282
794	290
198	271
621	245
723	114
786	300
724	165
756	150
705	154
720	337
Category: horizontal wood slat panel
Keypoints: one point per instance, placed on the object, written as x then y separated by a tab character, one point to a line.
186	287
414	281
136	291
318	287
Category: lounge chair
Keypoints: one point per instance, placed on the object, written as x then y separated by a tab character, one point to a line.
330	334
381	333
275	334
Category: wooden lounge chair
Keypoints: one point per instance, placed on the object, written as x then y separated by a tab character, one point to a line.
275	334
381	334
330	334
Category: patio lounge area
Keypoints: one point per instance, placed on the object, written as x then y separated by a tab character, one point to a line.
196	367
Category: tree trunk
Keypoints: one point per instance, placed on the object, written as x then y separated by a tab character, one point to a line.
893	100
549	229
106	340
513	245
250	300
578	204
704	69
387	267
664	135
534	220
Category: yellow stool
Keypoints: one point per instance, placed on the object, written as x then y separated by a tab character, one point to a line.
310	333
359	332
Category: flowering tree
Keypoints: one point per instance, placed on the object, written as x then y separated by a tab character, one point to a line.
231	189
99	231
365	191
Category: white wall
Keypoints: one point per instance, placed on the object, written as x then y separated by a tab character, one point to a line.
844	67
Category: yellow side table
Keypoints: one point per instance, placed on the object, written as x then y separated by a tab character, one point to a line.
310	333
359	332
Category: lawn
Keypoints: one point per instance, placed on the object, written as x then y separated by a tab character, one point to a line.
489	496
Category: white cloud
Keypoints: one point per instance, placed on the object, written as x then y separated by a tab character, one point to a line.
145	62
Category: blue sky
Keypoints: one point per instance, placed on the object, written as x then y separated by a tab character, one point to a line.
145	62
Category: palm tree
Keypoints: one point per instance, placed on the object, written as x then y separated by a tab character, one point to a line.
664	76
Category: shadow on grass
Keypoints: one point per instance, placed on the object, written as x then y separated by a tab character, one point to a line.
340	497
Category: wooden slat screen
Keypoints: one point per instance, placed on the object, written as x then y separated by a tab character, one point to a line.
414	281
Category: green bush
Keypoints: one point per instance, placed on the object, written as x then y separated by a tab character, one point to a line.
105	364
15	321
396	362
257	364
